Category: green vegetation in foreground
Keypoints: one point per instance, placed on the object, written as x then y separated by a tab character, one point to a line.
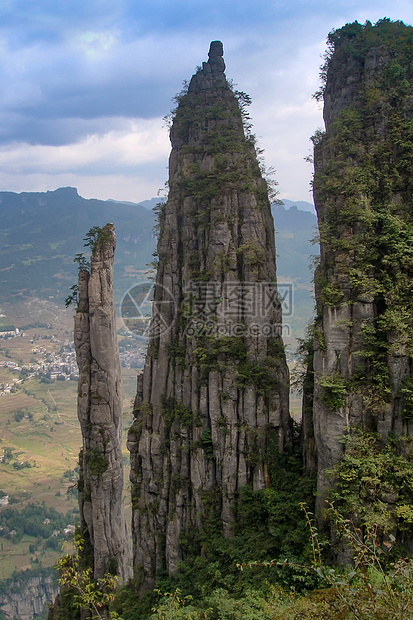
274	567
270	525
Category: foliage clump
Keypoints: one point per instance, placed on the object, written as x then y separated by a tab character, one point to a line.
355	40
91	239
334	392
96	461
80	591
374	483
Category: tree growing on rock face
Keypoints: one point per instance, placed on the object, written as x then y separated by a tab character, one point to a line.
212	403
363	347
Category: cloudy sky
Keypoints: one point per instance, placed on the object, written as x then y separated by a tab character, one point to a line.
85	84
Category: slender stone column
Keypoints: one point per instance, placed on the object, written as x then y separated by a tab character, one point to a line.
100	415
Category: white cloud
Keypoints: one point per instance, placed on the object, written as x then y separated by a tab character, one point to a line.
113	165
96	43
143	141
75	86
284	114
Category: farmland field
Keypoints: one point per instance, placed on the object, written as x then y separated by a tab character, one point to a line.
39	428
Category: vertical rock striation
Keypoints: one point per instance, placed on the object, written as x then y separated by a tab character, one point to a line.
28	594
213	399
364	284
100	414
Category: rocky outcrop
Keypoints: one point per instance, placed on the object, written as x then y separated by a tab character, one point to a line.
363	372
28	594
212	403
100	414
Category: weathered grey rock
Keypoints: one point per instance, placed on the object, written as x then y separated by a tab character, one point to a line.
29	595
213	399
100	414
362	193
215	55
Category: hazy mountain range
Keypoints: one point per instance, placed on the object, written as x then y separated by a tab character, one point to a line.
40	233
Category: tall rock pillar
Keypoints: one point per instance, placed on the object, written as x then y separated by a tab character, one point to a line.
363	189
100	414
212	403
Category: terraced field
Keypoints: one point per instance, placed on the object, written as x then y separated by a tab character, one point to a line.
39	426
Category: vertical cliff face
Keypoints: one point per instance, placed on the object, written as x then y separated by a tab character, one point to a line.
28	594
363	195
213	399
100	414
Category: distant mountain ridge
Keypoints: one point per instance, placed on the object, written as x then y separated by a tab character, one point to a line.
151	204
303	205
41	232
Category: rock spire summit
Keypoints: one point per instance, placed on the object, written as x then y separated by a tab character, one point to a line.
212	73
215	55
213	399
